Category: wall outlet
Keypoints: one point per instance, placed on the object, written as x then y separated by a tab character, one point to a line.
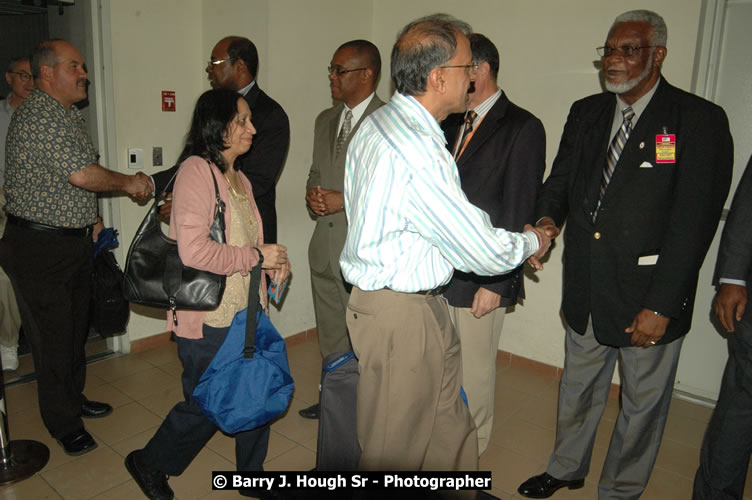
156	156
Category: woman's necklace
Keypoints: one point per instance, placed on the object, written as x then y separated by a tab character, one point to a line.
234	183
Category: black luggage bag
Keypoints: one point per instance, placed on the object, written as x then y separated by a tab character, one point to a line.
338	448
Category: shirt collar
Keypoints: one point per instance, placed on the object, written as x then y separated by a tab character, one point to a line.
640	104
42	95
483	108
361	106
419	115
5	103
245	89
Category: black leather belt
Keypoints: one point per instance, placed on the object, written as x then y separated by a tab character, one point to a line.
436	291
66	231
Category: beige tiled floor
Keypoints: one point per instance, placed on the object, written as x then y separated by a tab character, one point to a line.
143	387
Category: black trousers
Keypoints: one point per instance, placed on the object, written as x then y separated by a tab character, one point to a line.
186	430
51	276
724	457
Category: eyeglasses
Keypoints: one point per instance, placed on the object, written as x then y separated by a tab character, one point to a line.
472	67
218	61
624	50
339	71
23	75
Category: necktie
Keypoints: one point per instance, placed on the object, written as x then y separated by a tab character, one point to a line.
614	152
465	129
344	132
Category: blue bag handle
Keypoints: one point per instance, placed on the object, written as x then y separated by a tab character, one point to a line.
253	308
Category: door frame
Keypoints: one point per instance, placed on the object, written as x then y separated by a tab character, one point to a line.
109	207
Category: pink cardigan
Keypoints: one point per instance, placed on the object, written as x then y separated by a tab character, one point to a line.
192	215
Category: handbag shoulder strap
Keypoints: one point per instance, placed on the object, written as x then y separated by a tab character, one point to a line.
220	208
254	306
217	228
173	273
220	204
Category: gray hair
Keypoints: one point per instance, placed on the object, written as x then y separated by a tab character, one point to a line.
421	46
15	60
659	32
44	55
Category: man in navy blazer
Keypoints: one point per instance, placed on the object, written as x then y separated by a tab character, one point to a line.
638	227
500	161
233	65
724	458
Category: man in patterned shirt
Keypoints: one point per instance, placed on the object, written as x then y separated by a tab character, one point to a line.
52	177
410	225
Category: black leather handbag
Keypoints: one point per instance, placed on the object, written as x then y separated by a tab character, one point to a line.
154	274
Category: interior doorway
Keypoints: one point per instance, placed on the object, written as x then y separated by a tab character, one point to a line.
22	26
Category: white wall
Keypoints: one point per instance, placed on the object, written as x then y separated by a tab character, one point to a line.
155	46
547	53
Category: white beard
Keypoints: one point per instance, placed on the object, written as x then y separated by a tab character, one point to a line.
624	87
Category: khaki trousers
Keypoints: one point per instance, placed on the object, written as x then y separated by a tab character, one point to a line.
479	338
409	410
10	318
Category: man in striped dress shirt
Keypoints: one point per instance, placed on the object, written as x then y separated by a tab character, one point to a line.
409	225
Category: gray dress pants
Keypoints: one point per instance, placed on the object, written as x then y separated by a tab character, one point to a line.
647	380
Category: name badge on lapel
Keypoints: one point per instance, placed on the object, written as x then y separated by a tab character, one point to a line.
665	148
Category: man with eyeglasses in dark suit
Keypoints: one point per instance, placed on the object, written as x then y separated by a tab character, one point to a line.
641	176
233	65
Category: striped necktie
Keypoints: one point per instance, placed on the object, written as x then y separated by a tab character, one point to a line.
344	132
465	129
614	152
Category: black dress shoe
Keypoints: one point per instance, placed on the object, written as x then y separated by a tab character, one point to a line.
77	443
95	409
152	482
544	485
313	411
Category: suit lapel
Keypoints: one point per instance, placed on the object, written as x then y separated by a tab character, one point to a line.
372	106
487	128
646	125
597	137
252	95
451	127
333	126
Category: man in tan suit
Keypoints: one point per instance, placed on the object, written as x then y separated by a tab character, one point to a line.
353	73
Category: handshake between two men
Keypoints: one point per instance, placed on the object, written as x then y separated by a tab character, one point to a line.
547	231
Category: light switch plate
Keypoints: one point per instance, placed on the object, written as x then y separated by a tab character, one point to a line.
135	158
156	156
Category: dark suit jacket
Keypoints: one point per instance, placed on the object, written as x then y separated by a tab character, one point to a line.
263	163
500	171
670	210
735	252
328	238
